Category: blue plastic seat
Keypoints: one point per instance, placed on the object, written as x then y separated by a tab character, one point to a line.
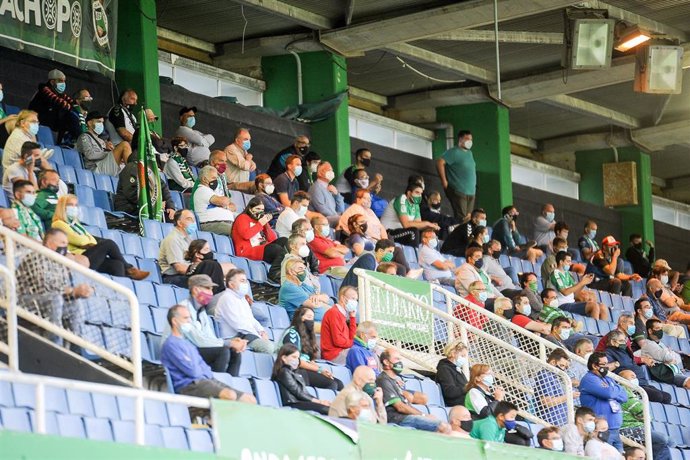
658	412
67	173
200	440
155	412
410	254
105	406
342	373
85	177
326	286
264	365
146	319
241	262
151	266
103	182
177	199
266	392
98	311
181	293
101	199
279	317
98	429
325	394
24	395
85	195
258	271
237	383
12	109
45	136
15	419
149	248
145	292
123	431
174	437
57	158
248	365
432	390
132	244
160	319
118	341
440	413
152	229
71	426
178	415
223	244
72	158
672	415
80	403
165	295
93	216
6	396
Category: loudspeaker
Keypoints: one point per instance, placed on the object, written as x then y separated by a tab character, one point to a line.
592	43
658	69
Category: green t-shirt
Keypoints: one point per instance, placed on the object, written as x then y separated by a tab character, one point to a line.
403	206
461	170
487	429
548	314
562	280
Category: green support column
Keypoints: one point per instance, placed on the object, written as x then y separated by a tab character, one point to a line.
137	52
635	219
491	138
323	75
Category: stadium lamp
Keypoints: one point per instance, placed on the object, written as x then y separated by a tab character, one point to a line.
658	69
590	43
631	37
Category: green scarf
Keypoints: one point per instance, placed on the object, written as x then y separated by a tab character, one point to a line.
184	166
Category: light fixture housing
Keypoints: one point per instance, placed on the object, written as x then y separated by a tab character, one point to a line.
591	43
632	37
658	69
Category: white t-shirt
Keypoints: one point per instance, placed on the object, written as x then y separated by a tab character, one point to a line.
389	218
599	450
427	256
16	171
285	221
206	211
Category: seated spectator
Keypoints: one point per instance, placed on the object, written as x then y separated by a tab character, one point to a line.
587	242
103	254
544	227
479	237
8	218
669	306
662	271
346	183
301	334
552	401
292	385
643	311
583	348
450	373
457	241
668	365
217	160
574	434
295	293
598	444
402	217
362	206
46	288
383	252
436	267
481	393
329	253
199	143
299	204
240	161
264	191
286	184
492	266
200	251
549	265
25	130
190	374
561	230
363	346
234	314
30	224
522	318
604	396
477	295
122	123
472	270
251	232
363	383
215	212
98	155
53	105
550	310
513	243
640	259
634	453
180	175
399	402
530	289
608	273
360	241
494	427
432	213
460	421
171	256
278	253
339	325
24	169
5	120
566	288
549	438
561	328
325	198
223	355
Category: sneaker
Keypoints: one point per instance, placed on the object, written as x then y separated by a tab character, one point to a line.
137	274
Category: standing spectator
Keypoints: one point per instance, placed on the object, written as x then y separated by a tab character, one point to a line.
180	175
346	184
574	433
264	191
549	438
544	227
214	211
472	270
494	427
328	252
199	143
567	288
234	314
582	348
325	198
608	273
506	232
25	130
436	267
402	217
363	380
189	372
492	266
299	204
604	396
24	198
251	232
457	241
52	104
292	385
598	444
458	173
481	393
101	156
122	123
286	184
363	346
460	421
432	213
668	364
552	402
587	242
240	161
24	169
76	119
640	259
339	325
295	293
299	147
450	373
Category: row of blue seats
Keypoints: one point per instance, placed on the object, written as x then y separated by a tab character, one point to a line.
667	413
680	396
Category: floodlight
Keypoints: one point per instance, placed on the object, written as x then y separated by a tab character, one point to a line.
632	37
658	69
592	41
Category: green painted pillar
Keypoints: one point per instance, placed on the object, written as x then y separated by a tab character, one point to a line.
635	219
490	128
137	52
323	76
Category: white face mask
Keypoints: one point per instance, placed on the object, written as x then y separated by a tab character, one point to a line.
664	279
433	243
330	175
269	189
303	251
302	211
468	144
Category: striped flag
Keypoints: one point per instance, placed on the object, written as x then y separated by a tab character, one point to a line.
150	195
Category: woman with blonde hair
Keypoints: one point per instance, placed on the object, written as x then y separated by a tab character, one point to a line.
450	373
25	129
103	254
482	393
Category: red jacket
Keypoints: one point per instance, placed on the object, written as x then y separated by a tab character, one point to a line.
246	228
336	334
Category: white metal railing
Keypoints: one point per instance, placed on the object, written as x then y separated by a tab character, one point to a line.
139	395
107	294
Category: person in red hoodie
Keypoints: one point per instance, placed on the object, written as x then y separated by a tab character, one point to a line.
338	326
251	231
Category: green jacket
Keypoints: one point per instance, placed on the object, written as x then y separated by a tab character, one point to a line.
44	206
632	411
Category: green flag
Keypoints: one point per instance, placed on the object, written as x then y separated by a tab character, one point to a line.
150	201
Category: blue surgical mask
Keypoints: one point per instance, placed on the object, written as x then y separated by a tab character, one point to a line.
486	238
592	234
565	333
460	361
550	216
566	267
33	128
630	330
433	243
648	313
2	95
371	344
61	87
298	170
488	380
482	222
186	328
351	305
527	309
483	296
635	382
325	230
191	228
243	289
247	145
98	128
191	121
510	424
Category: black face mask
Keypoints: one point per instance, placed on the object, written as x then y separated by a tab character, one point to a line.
309	324
478	264
62	250
466	425
603	371
603	436
364	227
257	215
183	151
303	150
52	188
208	256
658	334
658	293
213	184
496	255
435	205
366	162
508	314
86	105
638	246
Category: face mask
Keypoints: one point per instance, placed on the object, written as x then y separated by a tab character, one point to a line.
566	267
416	199
664	279
246	145
435	206
364	227
603	371
303	150
553	303
363	183
313	166
184	150
204	298
298	171
483	296
186	328
592	234
496	255
33	128
482	222
366	162
398	367
387	257
621	347
586	356
98	128
220	168
62	250
371	344
658	293
635	382
303	252
29	200
488	380
526	309
369	388
467	425
330	175
508	314
565	333
364	415
86	105
191	121
302	276
638	246
460	361
433	243
486	238
557	445
658	334
243	289
468	145
533	286
213	184
52	188
293	363
478	264
630	329
269	189
589	426
603	436
72	212
207	256
2	96
60	87
510	424
550	216
309	235
191	228
351	305
648	313
325	231
302	211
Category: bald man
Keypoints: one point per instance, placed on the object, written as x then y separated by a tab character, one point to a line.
363	380
9	219
460	421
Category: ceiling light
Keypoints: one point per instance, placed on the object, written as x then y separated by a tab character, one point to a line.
591	43
631	38
658	69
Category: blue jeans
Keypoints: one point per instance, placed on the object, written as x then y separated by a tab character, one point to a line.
419	422
615	439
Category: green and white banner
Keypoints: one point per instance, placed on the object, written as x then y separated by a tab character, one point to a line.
79	33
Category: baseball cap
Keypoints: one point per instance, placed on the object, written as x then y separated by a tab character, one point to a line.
201	281
187	109
610	241
661	263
